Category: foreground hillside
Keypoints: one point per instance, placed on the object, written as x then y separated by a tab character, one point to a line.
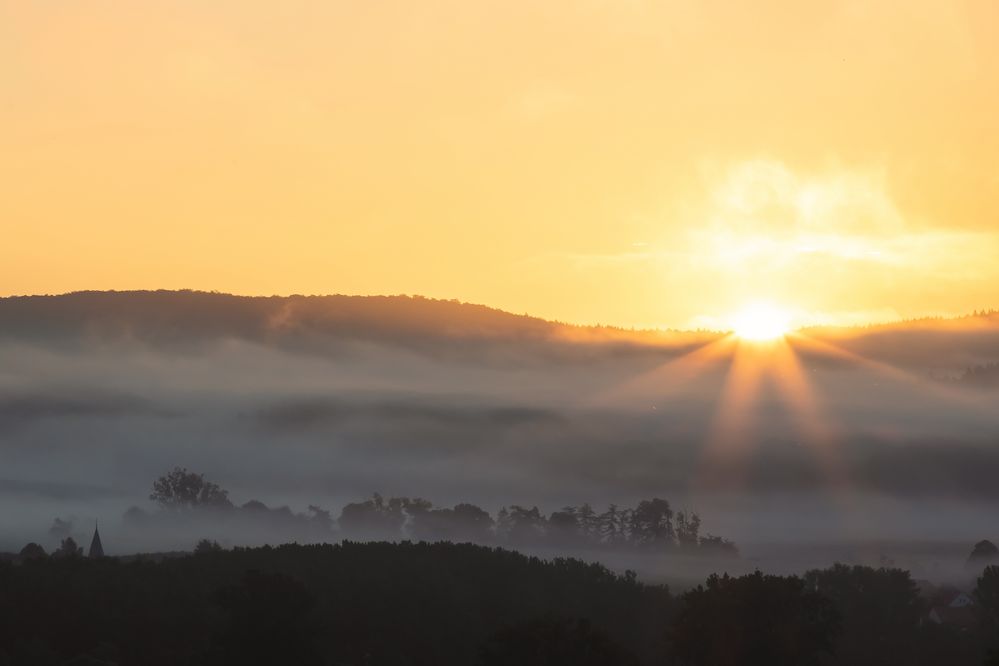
445	604
374	603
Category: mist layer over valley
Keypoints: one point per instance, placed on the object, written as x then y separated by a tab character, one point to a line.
846	444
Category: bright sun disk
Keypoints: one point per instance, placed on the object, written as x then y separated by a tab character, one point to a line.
761	321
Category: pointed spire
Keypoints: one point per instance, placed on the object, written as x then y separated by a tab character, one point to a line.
96	548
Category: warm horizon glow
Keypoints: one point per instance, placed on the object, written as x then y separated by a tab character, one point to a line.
633	164
761	321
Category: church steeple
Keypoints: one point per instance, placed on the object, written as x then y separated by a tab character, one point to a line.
96	549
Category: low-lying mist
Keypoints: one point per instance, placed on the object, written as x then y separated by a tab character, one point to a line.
874	448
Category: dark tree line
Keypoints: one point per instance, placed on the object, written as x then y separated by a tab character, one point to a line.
755	619
447	604
351	603
651	524
984	376
183	496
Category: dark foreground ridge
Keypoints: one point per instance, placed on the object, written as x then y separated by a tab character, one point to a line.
441	604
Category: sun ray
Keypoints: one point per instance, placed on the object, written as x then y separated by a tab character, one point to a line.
886	370
734	428
820	434
809	419
669	378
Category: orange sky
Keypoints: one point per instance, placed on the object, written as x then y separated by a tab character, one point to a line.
628	162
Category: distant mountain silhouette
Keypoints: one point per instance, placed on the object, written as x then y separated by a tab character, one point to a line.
447	329
180	318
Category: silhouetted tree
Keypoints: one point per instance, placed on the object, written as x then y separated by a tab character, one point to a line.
473	523
652	523
68	548
32	551
181	489
881	612
987	592
320	518
519	524
564	527
375	517
254	506
465	522
206	546
613	526
716	545
688	526
983	554
754	620
589	523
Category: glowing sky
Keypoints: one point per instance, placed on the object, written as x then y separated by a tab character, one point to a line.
628	162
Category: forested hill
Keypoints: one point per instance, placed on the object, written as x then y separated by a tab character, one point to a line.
382	604
170	318
446	328
375	603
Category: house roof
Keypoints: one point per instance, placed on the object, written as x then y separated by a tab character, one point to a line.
961	616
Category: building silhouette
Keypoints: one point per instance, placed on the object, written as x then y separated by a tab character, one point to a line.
96	548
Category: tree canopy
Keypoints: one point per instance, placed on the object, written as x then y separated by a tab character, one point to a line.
181	489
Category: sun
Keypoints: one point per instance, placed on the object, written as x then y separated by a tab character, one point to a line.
761	321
